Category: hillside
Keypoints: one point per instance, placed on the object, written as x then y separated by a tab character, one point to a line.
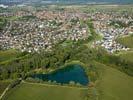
113	84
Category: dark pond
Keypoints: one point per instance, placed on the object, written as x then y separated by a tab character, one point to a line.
70	73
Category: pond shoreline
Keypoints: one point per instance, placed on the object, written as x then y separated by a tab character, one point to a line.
71	73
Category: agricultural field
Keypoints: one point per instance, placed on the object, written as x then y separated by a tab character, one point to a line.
126	41
113	84
27	91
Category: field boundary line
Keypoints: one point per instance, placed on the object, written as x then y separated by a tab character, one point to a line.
44	84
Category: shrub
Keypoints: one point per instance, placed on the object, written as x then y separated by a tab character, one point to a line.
14	83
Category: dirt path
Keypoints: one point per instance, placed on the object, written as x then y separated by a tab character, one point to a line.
4	92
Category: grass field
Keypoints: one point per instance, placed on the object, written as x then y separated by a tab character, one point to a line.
27	91
126	41
114	85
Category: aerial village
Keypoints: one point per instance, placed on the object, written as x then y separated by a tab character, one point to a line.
50	27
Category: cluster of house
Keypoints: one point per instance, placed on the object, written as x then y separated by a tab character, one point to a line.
111	33
37	34
61	15
51	27
16	14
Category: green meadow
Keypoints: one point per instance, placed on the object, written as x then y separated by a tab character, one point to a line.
27	91
113	84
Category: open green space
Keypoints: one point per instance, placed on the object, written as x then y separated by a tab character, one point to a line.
126	41
113	84
27	91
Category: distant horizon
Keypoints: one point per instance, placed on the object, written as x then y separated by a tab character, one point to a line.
12	2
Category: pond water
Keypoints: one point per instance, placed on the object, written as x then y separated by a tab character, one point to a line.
70	73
